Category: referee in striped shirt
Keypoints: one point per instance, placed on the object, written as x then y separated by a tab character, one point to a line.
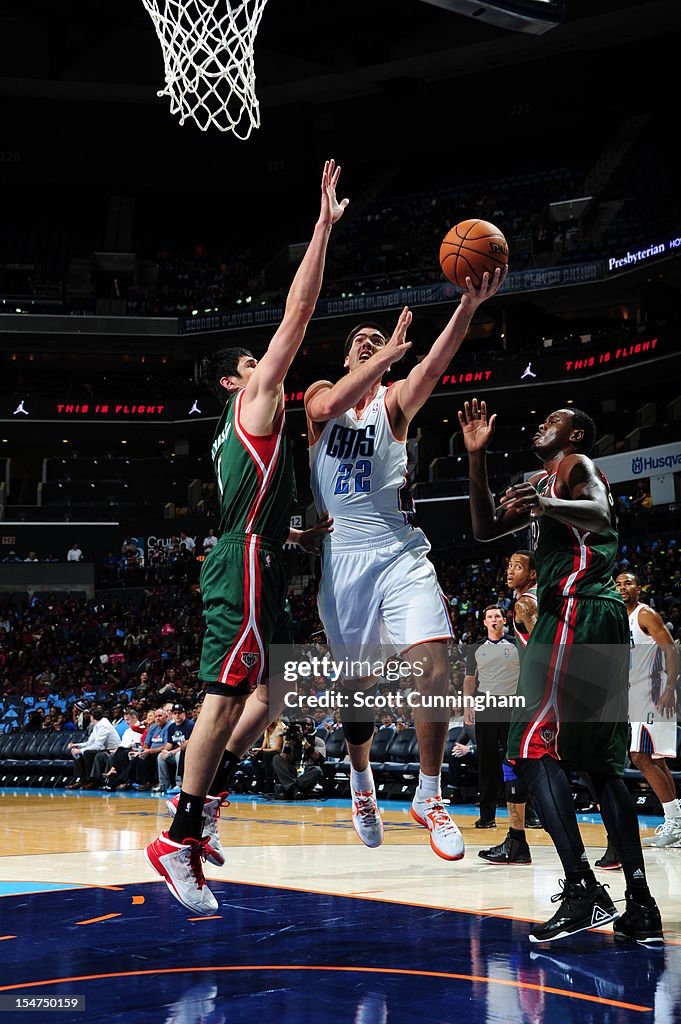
493	667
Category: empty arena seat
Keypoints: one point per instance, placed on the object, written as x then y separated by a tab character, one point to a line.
379	747
402	752
37	755
335	746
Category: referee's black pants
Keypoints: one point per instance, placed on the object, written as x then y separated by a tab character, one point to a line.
491	737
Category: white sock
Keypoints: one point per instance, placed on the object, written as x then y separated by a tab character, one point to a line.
362	782
429	785
672	809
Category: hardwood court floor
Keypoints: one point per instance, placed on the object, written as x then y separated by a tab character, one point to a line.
311	927
81	839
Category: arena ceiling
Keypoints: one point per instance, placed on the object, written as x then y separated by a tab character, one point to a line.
306	51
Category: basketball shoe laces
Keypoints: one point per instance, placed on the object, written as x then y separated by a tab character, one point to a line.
197	854
366	806
213	813
668	826
439	816
570	893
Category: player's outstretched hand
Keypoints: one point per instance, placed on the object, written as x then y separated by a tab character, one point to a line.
397	346
331	209
312	539
489	286
477	429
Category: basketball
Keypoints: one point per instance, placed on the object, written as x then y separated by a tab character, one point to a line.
469	249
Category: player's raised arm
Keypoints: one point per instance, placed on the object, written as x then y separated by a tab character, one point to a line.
407	396
488	522
262	394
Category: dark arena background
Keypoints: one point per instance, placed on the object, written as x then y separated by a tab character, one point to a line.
130	247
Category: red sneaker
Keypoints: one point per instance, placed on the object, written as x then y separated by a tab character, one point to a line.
180	865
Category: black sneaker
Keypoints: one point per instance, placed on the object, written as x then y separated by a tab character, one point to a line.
579	909
485	823
610	861
511	851
640	923
531	818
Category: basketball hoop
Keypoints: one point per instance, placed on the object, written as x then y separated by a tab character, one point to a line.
209	61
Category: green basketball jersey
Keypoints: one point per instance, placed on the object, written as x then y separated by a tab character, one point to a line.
255	478
572	562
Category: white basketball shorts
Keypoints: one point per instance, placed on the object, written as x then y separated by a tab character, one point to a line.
657	738
383	593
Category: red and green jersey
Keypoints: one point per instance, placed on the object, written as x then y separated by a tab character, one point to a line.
572	562
255	478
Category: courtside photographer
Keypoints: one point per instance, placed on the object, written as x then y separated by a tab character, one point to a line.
298	767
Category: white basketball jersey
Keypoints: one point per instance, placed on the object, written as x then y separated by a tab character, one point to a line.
358	473
647	674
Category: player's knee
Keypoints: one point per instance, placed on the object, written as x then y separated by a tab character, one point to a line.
357	732
429	667
431	676
515	791
639	759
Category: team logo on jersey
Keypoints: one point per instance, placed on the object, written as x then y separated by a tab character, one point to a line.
250	659
349	443
547	734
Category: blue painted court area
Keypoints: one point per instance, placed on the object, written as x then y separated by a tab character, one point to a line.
14	888
303	958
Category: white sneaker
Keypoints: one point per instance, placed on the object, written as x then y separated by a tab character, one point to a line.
666	834
366	817
215	853
445	838
180	865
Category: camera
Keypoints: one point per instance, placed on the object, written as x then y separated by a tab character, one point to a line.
294	735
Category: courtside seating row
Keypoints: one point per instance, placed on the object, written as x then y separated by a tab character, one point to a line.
391	754
37	758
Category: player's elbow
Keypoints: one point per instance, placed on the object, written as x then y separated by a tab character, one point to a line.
322	409
299	311
483	533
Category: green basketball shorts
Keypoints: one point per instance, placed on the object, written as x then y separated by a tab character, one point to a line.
574	680
243	587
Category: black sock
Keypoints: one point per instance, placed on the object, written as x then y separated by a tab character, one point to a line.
187	822
518	834
224	774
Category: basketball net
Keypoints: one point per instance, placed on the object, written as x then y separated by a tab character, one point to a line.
209	61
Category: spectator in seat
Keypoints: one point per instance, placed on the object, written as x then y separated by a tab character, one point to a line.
74	554
112	769
178	732
209	541
102	737
143	773
263	756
